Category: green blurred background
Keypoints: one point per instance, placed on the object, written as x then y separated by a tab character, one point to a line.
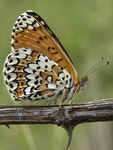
85	28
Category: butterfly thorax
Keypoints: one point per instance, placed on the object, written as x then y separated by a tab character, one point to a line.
75	88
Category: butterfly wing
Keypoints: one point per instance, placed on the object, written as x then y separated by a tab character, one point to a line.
38	68
29	74
31	31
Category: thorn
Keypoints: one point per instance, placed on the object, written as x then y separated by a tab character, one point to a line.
7	126
69	130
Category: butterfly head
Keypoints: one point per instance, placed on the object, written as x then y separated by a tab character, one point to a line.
83	82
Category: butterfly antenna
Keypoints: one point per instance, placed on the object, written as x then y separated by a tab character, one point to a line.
91	70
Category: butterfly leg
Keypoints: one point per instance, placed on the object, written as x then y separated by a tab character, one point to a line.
49	103
62	98
55	102
77	89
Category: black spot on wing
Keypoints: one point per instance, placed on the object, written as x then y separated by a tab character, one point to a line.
59	60
54	53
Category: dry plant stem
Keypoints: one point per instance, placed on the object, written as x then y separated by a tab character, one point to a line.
101	110
67	117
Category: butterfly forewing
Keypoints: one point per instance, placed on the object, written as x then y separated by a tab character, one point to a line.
31	31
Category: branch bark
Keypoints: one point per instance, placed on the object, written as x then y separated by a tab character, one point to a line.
68	117
101	110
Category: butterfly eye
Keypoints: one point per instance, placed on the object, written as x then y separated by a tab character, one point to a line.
83	83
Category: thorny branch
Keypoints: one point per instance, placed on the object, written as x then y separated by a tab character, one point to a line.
68	118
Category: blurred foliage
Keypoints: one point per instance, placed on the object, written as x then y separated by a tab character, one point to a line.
85	28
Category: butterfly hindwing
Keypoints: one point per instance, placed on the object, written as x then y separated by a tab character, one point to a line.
34	76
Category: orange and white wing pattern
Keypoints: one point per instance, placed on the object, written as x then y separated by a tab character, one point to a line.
38	68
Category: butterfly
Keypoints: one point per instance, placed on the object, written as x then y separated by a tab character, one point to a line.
39	68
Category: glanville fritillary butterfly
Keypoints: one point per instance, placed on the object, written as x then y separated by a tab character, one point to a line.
39	68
